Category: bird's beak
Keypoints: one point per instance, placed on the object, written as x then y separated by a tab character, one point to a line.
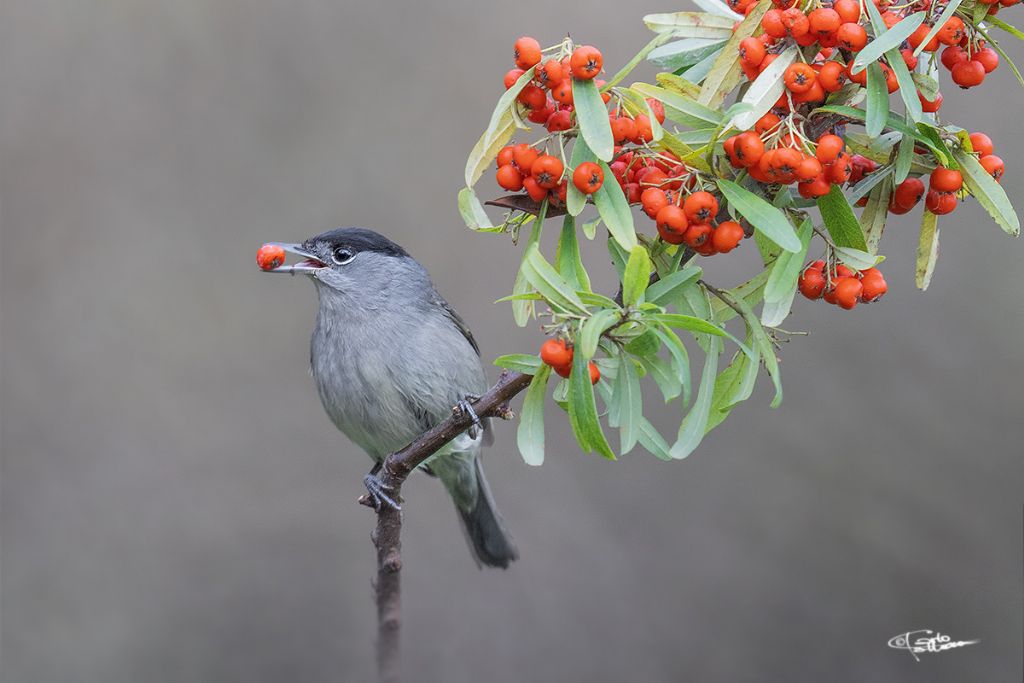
309	265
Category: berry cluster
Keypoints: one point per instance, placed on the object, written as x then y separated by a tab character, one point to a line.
670	192
558	354
840	285
776	151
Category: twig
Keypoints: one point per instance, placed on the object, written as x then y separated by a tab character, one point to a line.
726	299
387	537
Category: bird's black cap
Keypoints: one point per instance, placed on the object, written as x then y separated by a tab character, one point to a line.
358	239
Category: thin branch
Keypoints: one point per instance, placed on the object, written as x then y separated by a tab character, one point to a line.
387	537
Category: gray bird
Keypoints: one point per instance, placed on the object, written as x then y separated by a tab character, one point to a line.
391	358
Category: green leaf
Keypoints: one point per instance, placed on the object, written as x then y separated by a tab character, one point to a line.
1009	28
637	275
878	101
678	84
718	7
472	211
857	259
904	159
782	282
872	220
593	328
614	210
684	53
937	26
840	220
694	425
630	404
763	345
653	442
570	265
487	147
505	103
546	280
583	410
926	85
522	310
751	292
765	217
927	250
665	290
765	91
886	40
932	134
688	322
592	117
593	299
530	433
725	72
690	24
695	113
988	192
679	356
872	179
734	385
893	123
665	375
520	362
590	228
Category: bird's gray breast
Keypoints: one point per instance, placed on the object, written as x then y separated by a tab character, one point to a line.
387	377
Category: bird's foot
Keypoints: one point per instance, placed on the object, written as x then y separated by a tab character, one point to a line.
378	494
465	407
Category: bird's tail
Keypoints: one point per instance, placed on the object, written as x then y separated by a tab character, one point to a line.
485	531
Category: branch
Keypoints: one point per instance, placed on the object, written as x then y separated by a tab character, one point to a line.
387	537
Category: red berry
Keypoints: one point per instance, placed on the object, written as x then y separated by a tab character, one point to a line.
727	236
588	177
509	178
982	144
968	74
672	224
595	373
700	207
270	256
812	283
526	52
946	180
940	203
848	291
547	171
556	353
586	62
993	165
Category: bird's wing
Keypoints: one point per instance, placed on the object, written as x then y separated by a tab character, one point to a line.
459	323
464	329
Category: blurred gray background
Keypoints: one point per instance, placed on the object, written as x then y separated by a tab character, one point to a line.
176	506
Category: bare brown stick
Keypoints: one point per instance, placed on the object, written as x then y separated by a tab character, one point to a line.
387	537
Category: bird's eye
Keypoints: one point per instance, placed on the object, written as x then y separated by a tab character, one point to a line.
343	255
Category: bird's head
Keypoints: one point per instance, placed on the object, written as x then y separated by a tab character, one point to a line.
354	265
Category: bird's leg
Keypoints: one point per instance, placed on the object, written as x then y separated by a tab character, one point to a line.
465	407
378	491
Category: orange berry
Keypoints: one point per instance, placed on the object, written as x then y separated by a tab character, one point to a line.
547	171
799	77
993	165
509	178
556	353
982	144
672	224
848	291
829	148
727	236
586	62
270	256
588	177
526	52
945	180
700	207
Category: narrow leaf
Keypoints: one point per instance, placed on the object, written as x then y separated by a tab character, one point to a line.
530	433
765	217
886	40
570	264
614	210
877	102
592	117
725	73
937	26
472	211
638	273
546	280
520	362
988	192
765	91
576	201
840	220
927	250
665	290
487	147
592	330
782	282
583	410
630	404
694	425
690	24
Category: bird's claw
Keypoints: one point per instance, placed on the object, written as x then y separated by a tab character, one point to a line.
466	408
377	496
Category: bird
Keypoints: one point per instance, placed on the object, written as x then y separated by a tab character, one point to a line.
391	358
